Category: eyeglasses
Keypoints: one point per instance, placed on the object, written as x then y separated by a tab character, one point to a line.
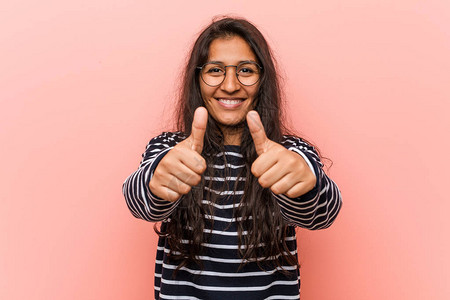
247	72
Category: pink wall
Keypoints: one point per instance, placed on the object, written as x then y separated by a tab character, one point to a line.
85	84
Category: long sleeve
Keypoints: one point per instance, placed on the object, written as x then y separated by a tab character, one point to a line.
141	202
318	208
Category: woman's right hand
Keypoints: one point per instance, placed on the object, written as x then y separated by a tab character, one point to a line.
181	168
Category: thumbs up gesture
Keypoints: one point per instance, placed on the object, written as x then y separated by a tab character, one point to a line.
181	168
281	170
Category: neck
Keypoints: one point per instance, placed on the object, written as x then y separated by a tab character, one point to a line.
233	140
232	135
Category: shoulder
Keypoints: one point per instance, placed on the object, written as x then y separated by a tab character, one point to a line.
298	143
162	143
295	141
168	138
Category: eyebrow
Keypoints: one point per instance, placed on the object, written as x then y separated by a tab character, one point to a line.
222	63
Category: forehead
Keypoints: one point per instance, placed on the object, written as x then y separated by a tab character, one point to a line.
230	50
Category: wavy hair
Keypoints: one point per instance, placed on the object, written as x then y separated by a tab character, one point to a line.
266	225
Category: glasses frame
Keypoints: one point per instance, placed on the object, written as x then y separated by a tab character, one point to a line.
225	73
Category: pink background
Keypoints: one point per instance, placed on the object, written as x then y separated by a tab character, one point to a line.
85	84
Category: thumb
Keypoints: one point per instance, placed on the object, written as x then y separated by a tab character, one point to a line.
198	129
257	131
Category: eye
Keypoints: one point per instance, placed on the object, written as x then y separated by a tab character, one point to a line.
246	70
213	69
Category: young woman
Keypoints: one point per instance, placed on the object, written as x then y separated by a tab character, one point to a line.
231	185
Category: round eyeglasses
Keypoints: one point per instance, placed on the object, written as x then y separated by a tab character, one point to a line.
247	73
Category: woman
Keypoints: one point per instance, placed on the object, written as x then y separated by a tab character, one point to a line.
230	186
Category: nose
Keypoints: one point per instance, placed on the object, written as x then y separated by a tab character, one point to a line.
230	83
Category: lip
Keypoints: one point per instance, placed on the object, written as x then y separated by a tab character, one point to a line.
236	102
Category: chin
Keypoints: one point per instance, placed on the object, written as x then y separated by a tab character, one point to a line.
232	123
230	119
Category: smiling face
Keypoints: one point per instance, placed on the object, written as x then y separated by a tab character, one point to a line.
229	102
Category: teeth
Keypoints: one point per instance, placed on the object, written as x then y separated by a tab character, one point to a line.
227	101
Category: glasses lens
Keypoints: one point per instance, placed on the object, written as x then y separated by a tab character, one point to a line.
248	73
213	74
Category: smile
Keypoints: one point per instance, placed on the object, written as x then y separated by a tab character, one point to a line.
230	103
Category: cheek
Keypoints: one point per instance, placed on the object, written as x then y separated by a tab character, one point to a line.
252	90
206	91
252	93
203	88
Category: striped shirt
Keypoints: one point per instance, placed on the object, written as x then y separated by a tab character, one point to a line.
223	276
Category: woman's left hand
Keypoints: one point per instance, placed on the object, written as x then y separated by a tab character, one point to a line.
281	170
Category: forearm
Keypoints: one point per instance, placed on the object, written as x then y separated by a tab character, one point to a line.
316	209
140	200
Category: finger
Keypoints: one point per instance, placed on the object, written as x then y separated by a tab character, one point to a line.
164	172
285	184
171	196
272	176
198	129
194	162
180	171
179	180
178	186
184	156
257	131
187	176
164	192
262	164
298	190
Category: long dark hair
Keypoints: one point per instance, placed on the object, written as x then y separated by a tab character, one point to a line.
266	226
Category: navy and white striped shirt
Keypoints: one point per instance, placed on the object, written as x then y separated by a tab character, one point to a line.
220	276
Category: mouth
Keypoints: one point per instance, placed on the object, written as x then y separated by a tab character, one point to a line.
230	102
